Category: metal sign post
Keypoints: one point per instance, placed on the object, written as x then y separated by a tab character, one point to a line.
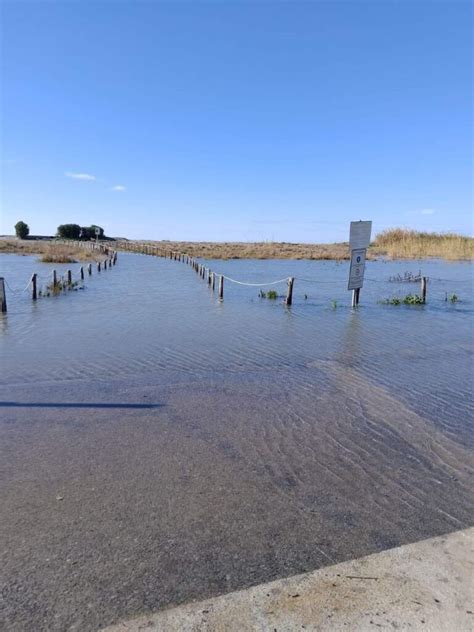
359	241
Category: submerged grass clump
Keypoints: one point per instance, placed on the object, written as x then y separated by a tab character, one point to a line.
271	294
409	299
407	277
61	285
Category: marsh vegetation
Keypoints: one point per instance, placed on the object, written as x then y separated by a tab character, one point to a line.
400	243
397	243
49	251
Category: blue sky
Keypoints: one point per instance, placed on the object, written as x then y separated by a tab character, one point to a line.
236	120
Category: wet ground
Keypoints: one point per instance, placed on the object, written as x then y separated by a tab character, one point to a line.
159	447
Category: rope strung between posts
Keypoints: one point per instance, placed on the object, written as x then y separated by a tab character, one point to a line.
17	291
285	280
313	280
455	280
44	276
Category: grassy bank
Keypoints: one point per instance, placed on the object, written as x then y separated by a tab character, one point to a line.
395	243
399	243
255	250
48	251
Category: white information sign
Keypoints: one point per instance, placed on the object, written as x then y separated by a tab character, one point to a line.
360	235
356	274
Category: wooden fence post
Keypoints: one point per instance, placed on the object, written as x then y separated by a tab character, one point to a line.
98	266
89	269
221	287
34	293
213	281
105	264
55	279
209	278
69	277
82	273
289	294
3	296
424	284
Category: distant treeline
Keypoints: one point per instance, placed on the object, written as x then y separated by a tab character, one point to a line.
65	231
74	231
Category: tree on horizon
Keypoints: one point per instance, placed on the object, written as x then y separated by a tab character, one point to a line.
22	230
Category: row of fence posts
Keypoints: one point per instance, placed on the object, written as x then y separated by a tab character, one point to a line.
109	262
205	273
211	276
423	289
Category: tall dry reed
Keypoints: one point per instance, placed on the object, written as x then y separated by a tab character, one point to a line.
401	243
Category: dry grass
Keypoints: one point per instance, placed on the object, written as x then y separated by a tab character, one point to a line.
256	250
58	254
49	251
397	243
400	243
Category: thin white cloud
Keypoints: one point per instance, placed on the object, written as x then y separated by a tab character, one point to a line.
427	211
118	187
80	176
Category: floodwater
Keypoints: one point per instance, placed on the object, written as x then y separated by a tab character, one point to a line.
253	440
152	315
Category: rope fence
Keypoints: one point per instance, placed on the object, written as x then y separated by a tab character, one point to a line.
52	284
211	276
65	282
255	284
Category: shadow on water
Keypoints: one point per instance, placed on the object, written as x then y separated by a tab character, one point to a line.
74	405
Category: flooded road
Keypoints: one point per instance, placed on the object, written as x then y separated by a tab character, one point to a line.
159	446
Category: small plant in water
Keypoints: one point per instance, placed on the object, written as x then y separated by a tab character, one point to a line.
408	277
412	299
61	285
395	300
271	294
409	299
334	304
454	298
